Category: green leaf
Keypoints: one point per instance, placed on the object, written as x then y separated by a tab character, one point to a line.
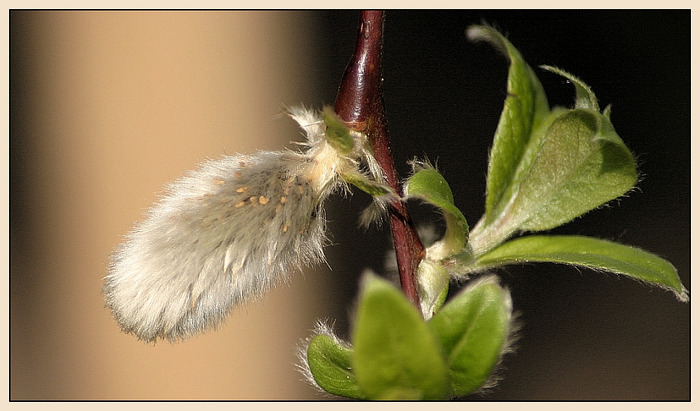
578	164
433	283
525	108
330	363
365	184
584	95
588	252
396	355
473	329
430	186
547	168
581	164
337	132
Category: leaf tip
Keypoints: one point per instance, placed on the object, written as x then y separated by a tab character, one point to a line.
585	98
488	34
682	295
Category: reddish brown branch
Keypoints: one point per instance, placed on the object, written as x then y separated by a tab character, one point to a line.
360	102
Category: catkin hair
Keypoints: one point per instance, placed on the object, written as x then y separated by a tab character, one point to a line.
223	233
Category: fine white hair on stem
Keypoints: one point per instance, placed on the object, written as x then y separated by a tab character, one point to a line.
222	234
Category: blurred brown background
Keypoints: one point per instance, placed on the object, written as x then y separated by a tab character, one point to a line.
107	107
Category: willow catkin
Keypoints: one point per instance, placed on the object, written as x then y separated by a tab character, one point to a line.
224	233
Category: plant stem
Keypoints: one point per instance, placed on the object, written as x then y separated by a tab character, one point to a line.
360	103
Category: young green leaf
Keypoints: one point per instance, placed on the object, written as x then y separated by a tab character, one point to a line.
337	132
396	355
367	185
330	364
585	98
433	282
473	329
587	252
525	108
575	164
581	164
430	186
547	168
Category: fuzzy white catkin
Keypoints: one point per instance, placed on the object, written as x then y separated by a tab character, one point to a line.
222	234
